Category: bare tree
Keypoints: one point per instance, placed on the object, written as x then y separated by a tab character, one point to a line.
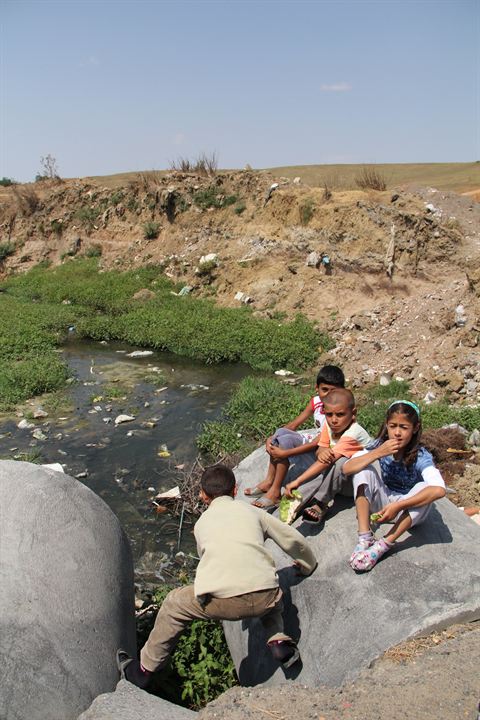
49	169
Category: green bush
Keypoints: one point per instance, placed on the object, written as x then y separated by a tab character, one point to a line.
87	215
6	249
257	407
94	251
240	207
6	182
151	230
306	210
201	667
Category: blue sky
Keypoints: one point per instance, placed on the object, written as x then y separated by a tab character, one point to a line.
111	86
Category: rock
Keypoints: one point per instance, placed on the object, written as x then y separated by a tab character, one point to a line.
128	702
66	551
297	180
123	419
431	575
313	260
474	438
39	413
210	258
74	246
385	379
25	425
39	435
455	426
429	397
460	317
143	294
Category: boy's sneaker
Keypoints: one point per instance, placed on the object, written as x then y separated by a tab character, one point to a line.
285	652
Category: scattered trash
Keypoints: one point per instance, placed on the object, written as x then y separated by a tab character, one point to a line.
194	386
169	494
186	289
149	424
81	475
460	316
243	298
163	454
140	353
283	373
180	467
123	419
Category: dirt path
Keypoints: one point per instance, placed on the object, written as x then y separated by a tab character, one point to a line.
426	679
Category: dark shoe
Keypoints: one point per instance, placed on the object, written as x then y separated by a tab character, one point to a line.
284	651
315	513
131	670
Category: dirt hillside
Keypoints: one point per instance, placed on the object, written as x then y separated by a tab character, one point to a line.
400	295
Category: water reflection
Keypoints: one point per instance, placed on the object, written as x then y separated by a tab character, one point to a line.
169	398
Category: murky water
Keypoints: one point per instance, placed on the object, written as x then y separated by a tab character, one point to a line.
169	397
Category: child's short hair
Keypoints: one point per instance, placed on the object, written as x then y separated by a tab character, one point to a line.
340	395
217	480
331	375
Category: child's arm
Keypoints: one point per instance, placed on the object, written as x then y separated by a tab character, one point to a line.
291	542
315	469
424	497
355	464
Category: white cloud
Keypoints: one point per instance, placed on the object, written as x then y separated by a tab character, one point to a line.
336	87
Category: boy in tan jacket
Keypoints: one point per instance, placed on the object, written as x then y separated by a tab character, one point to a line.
236	577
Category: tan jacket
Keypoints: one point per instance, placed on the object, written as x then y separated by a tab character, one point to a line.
231	538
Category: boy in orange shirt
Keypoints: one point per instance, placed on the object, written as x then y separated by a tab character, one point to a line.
340	438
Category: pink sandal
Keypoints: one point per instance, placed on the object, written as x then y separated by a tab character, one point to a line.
365	560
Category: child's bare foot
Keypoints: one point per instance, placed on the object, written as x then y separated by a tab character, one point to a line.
259	489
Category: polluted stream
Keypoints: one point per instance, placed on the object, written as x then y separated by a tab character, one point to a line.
127	464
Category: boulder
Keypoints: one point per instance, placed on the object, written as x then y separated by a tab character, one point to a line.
130	703
67	594
343	620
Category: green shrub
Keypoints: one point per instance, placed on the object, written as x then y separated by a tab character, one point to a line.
6	249
240	207
201	667
94	251
116	197
306	210
151	230
57	227
87	215
6	182
257	407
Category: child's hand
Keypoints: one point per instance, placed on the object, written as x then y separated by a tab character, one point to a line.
268	444
277	453
389	512
289	487
389	447
325	455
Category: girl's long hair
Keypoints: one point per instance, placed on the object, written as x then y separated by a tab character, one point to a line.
410	454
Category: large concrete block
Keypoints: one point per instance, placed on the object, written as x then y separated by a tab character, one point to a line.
342	620
130	703
66	594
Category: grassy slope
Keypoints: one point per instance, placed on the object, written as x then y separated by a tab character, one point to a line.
458	177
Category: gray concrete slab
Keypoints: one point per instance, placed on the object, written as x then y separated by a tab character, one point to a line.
343	620
66	594
130	703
